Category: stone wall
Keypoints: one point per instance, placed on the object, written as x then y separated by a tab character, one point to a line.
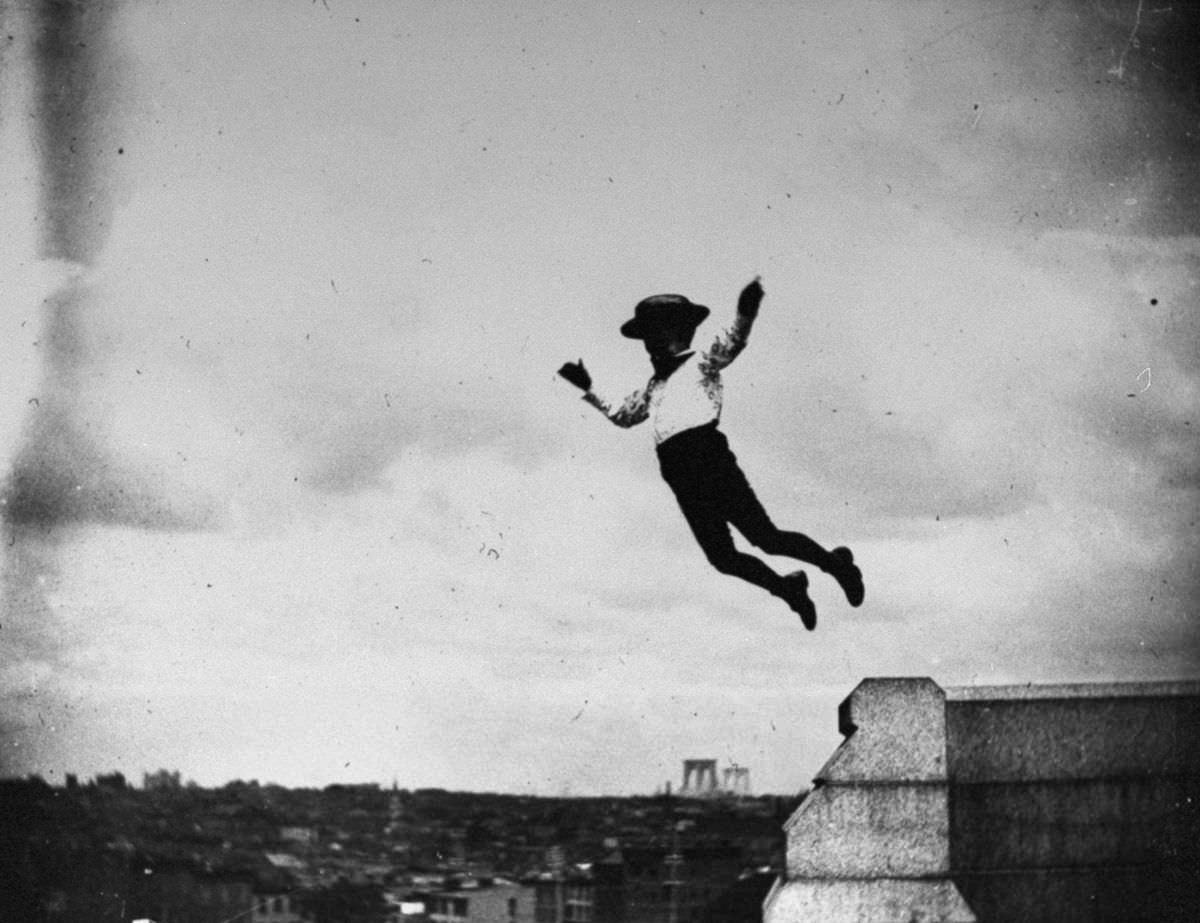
1076	803
1056	803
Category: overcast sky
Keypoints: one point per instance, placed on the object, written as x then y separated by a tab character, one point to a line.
292	492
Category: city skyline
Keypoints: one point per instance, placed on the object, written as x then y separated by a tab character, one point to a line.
291	490
730	780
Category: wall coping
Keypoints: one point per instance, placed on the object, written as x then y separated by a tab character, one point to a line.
1111	690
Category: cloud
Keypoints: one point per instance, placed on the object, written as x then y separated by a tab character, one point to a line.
1002	376
66	470
1132	412
448	642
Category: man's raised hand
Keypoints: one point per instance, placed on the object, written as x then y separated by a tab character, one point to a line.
576	374
750	298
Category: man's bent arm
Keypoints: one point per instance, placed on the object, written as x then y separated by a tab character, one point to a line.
632	411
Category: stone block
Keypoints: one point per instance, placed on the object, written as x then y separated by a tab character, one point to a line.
895	730
1083	895
878	900
1073	804
881	829
1030	733
1086	822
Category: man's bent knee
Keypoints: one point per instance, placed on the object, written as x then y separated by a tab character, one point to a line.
726	561
767	538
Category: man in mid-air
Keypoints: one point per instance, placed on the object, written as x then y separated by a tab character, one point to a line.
683	400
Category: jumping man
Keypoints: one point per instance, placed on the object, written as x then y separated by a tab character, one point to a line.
683	399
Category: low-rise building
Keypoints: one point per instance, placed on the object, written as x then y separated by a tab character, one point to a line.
501	902
277	908
177	893
581	893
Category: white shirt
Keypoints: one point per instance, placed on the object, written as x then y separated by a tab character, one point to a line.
688	397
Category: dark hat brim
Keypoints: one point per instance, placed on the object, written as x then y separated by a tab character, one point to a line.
664	316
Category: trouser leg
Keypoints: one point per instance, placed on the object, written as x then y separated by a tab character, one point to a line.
713	493
747	515
712	534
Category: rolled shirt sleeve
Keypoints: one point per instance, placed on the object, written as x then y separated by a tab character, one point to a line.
633	410
728	344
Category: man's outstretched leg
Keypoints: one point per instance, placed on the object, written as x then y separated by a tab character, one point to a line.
712	534
712	492
838	563
747	514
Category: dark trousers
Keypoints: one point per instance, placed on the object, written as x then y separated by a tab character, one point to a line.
714	494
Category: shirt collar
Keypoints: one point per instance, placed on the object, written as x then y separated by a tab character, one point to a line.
664	368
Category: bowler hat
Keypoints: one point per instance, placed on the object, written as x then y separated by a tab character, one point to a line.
663	311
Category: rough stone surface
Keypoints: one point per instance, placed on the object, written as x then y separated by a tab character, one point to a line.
1083	822
895	731
1062	804
871	841
1083	895
880	900
864	831
1076	803
1024	733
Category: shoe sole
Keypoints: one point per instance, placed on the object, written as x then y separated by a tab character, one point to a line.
850	580
808	612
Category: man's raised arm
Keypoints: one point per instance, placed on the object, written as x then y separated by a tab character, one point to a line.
732	340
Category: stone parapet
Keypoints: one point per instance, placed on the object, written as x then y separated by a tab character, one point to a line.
1082	731
866	831
871	842
1065	803
1076	802
876	900
895	731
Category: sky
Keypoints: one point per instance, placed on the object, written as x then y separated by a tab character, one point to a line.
291	491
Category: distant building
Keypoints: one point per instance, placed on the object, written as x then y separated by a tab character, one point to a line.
276	908
586	893
701	780
161	781
408	910
677	883
172	893
737	781
649	884
487	903
299	836
285	861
